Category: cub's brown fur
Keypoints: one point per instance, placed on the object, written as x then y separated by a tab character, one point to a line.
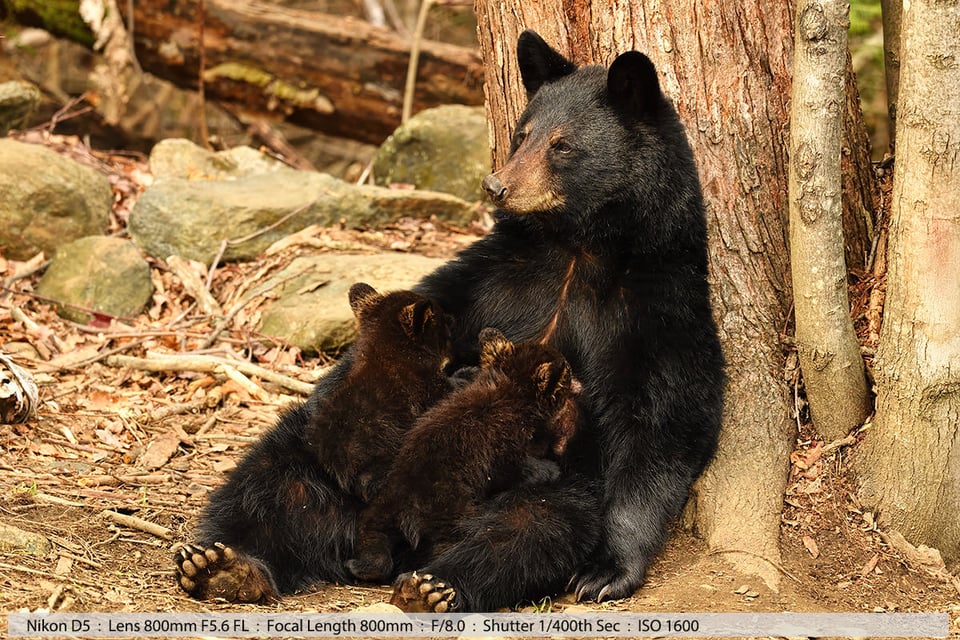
500	430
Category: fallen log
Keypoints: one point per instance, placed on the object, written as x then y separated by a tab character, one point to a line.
338	75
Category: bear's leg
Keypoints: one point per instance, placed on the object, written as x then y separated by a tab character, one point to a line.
285	522
373	556
525	544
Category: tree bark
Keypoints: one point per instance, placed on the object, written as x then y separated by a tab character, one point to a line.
910	463
732	98
342	76
833	370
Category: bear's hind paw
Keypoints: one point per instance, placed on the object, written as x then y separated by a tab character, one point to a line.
423	593
219	572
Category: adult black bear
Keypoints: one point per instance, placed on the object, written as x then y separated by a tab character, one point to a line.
503	429
353	433
600	250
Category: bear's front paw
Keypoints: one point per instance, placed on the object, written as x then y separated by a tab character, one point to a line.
423	593
219	572
371	568
600	582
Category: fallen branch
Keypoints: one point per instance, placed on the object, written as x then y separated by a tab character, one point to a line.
133	522
208	364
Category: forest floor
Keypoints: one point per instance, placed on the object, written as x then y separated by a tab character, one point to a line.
116	440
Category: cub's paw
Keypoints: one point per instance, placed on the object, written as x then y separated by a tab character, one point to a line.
423	593
219	572
371	568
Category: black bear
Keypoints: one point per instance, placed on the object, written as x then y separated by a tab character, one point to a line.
502	429
599	249
354	432
396	374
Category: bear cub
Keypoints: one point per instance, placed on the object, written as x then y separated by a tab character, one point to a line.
506	427
401	348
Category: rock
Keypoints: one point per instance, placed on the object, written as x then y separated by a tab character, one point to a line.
179	158
18	101
48	200
235	196
107	275
14	540
312	311
444	149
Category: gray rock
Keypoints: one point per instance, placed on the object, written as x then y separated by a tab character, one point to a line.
312	311
444	149
248	197
48	200
104	274
18	101
14	540
179	158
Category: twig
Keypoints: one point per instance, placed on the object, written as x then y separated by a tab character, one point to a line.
133	522
208	364
26	273
48	574
775	565
215	262
201	93
411	83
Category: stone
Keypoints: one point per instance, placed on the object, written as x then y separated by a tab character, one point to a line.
191	218
48	200
15	540
444	149
312	310
107	275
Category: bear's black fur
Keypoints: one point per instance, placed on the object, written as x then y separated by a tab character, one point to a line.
502	429
599	249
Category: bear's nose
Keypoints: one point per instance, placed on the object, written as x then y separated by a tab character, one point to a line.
492	185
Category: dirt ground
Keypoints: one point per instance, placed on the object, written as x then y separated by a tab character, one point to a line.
118	440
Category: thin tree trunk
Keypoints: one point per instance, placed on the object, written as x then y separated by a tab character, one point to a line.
892	16
732	98
833	370
910	463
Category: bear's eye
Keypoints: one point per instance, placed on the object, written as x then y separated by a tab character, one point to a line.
519	137
560	145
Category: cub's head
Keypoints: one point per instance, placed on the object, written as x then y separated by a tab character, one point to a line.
404	321
589	135
542	373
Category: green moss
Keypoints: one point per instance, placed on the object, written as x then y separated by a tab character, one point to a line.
306	98
60	17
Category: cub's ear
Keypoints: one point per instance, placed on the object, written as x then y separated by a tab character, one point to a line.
632	84
494	346
417	317
539	62
553	379
362	297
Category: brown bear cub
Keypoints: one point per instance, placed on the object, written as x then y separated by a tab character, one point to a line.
504	428
397	373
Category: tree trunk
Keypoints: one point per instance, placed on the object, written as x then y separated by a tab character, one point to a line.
732	97
892	15
910	463
833	370
341	76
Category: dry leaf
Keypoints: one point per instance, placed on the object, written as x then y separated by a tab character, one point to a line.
870	565
811	546
159	452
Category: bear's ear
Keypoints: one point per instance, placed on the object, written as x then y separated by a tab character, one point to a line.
553	379
493	347
362	297
416	317
632	84
539	62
